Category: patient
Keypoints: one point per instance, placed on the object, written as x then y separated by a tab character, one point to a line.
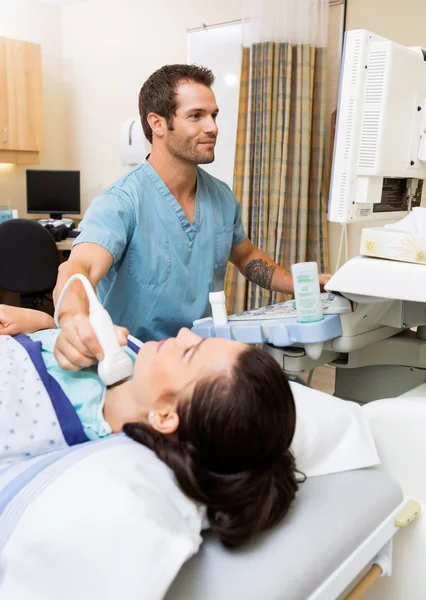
220	414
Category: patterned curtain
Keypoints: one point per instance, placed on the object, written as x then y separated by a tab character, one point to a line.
279	175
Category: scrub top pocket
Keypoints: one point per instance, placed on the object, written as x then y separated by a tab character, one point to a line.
224	236
150	263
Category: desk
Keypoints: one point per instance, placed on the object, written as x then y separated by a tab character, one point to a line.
65	244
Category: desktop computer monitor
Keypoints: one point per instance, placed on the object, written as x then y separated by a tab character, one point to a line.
379	162
53	192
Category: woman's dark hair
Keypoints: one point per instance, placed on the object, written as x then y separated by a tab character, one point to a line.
158	93
232	452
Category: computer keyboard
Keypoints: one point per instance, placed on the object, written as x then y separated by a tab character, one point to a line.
332	304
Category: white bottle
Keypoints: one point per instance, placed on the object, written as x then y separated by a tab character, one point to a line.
307	292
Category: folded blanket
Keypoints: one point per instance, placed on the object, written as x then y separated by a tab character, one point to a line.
103	519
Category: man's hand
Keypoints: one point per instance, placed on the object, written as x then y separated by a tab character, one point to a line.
15	320
77	346
324	278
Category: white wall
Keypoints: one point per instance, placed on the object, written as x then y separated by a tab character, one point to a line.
110	47
40	23
400	21
219	49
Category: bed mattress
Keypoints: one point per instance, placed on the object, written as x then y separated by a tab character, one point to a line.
331	516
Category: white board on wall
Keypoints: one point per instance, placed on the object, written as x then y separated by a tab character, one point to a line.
219	49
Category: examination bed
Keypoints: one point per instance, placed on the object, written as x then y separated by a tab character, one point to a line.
332	517
339	526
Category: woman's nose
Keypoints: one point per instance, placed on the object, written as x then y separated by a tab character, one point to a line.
185	335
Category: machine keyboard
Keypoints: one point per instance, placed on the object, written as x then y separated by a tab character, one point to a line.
332	304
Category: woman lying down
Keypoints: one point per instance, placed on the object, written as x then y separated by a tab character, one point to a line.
219	413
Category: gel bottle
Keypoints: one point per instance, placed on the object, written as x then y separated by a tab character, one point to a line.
307	292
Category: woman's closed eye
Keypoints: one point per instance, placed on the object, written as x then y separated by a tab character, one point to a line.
187	350
191	350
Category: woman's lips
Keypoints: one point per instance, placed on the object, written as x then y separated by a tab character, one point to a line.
160	344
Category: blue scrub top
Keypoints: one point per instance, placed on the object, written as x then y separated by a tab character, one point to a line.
163	266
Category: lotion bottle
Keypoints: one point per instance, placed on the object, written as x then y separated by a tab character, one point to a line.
307	292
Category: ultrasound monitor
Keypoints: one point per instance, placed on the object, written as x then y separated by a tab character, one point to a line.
53	192
379	163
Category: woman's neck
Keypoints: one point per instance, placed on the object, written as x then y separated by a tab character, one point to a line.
120	407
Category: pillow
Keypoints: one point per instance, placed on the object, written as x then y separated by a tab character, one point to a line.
332	435
100	520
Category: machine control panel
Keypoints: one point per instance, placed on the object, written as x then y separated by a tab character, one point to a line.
277	325
332	304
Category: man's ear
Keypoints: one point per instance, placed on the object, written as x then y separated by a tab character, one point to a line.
165	420
158	124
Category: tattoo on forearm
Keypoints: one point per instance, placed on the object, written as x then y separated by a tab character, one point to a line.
259	272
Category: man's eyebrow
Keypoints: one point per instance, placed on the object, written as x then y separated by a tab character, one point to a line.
201	110
195	349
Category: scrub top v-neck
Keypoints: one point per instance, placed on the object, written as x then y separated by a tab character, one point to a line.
163	266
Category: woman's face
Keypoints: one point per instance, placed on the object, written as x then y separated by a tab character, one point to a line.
176	363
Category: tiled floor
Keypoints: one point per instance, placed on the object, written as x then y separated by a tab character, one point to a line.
323	379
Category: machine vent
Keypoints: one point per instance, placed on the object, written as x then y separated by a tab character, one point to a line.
374	94
355	60
349	125
342	195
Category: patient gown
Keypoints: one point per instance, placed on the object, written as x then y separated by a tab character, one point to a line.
42	407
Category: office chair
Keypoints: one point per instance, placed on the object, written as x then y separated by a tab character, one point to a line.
29	261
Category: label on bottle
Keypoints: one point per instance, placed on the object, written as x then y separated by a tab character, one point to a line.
307	293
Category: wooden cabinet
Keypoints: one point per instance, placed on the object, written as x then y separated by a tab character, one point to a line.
21	125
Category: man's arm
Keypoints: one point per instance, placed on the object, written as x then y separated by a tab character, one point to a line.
257	267
90	260
77	346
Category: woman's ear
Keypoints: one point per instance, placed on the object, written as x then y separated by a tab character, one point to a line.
165	421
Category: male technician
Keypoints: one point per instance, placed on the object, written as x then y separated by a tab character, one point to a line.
158	240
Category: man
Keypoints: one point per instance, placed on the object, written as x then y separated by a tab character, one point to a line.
158	240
